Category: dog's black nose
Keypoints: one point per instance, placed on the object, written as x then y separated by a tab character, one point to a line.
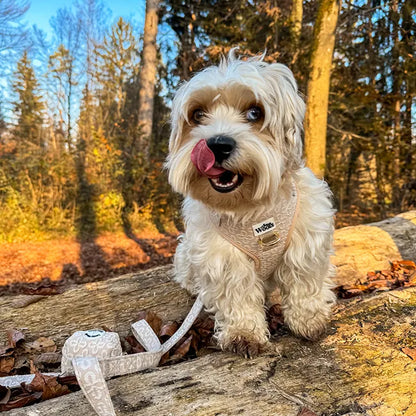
221	146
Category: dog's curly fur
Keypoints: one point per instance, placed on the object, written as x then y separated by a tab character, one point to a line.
268	156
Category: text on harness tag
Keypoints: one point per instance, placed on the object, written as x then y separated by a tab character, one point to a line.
264	227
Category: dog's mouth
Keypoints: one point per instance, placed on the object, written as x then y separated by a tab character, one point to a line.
226	182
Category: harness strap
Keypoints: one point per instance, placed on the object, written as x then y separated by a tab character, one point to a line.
266	238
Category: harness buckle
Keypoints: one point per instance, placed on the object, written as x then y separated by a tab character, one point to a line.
269	239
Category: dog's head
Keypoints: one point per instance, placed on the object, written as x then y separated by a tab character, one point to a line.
236	129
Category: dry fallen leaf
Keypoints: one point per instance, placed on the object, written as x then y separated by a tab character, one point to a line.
133	346
199	336
306	412
204	327
168	330
68	380
152	319
6	365
275	318
21	364
6	351
5	394
20	401
14	336
410	352
182	348
48	385
401	274
40	345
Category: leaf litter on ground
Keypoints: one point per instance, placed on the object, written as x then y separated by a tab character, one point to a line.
402	274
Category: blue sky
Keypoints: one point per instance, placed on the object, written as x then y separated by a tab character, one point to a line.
41	11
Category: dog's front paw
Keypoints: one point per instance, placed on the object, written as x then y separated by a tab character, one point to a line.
245	345
311	328
308	317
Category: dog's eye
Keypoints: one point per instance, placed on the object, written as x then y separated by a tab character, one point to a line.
198	115
254	114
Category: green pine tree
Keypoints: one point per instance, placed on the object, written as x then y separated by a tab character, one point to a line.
28	106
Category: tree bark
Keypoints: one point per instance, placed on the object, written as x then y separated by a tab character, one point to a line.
409	151
359	367
148	75
296	15
396	87
318	85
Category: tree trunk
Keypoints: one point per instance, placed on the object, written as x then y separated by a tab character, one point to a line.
148	75
318	85
296	15
360	366
409	150
396	86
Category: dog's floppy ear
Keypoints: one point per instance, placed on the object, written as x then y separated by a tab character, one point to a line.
178	117
286	117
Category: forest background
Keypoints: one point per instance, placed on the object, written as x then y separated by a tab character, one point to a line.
77	158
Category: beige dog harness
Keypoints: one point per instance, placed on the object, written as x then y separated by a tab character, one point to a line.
265	240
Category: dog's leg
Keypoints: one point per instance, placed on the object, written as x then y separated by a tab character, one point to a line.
232	290
305	284
307	304
304	276
184	274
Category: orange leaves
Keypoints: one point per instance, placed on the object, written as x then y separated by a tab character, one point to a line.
49	386
18	357
402	274
6	365
7	358
42	387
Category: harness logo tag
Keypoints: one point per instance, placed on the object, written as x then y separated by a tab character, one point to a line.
264	227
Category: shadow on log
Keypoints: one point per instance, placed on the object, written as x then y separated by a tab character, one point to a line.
357	369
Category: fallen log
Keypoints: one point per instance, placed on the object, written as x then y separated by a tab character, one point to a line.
363	248
359	368
113	303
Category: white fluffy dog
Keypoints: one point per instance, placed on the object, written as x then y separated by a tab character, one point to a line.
256	218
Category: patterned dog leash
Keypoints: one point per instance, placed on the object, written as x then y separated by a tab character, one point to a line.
95	356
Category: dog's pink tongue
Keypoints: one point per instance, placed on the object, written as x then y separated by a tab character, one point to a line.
204	160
